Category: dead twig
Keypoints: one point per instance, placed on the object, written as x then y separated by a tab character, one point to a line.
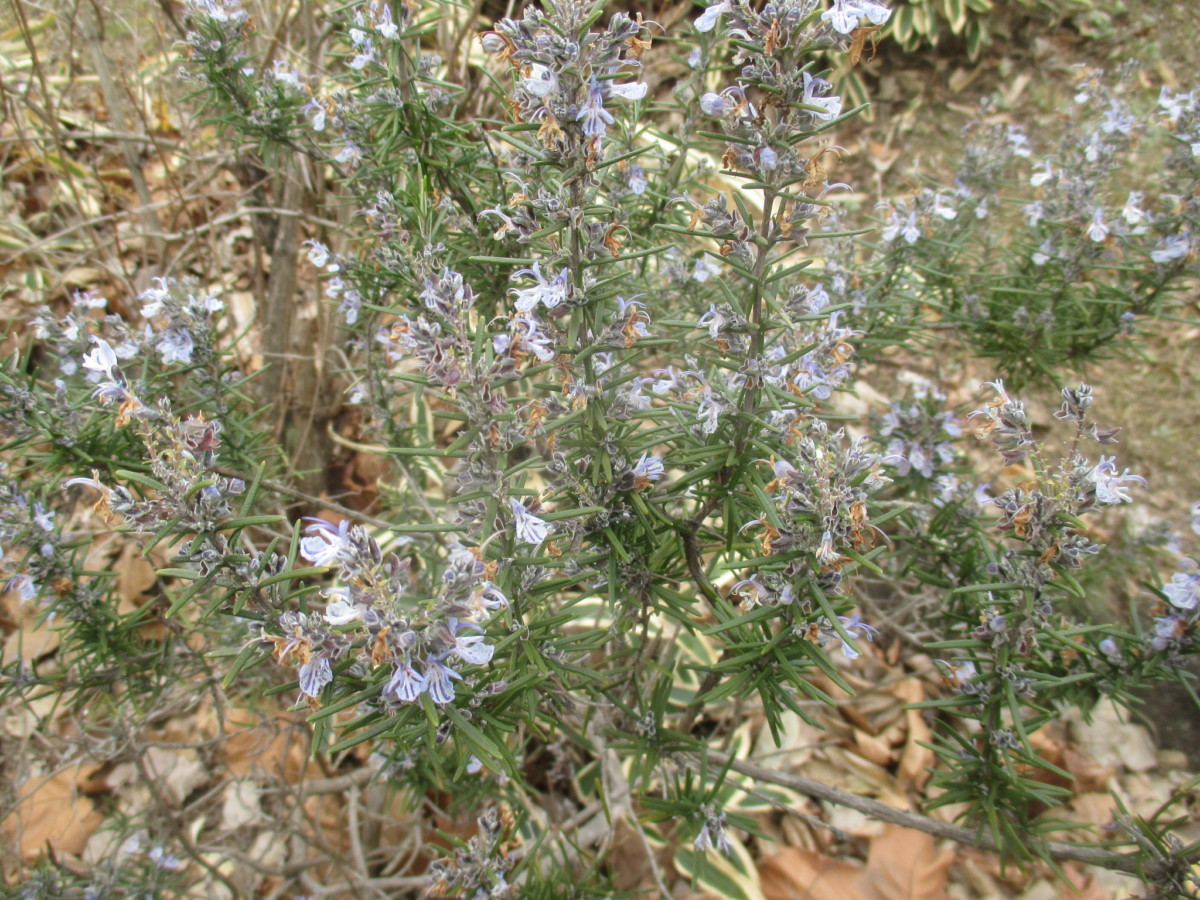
1130	863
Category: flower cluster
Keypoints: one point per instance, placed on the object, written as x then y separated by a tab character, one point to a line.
183	317
418	644
565	83
818	512
191	497
824	342
777	38
1044	515
1006	424
920	433
478	868
908	222
1175	631
32	544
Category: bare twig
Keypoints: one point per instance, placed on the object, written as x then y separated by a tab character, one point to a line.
92	26
1130	863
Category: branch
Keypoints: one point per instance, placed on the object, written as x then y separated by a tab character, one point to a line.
1130	863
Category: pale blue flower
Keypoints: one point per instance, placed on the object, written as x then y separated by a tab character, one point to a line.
649	468
328	542
549	293
709	18
529	528
592	113
102	359
1175	246
845	15
540	81
1184	590
814	95
470	648
340	612
176	346
405	685
637	179
714	320
855	626
1109	491
439	681
1132	212
314	675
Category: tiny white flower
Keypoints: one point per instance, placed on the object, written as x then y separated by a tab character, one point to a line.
842	16
102	359
1043	173
540	81
1174	247
832	106
1132	212
386	25
649	468
471	648
1184	590
635	90
318	253
717	105
709	18
339	612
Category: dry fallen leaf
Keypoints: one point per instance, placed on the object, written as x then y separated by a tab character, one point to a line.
872	748
903	864
53	812
1111	741
271	749
915	760
796	874
135	576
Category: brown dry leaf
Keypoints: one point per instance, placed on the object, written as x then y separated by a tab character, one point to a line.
873	748
29	642
883	157
82	276
1090	775
631	868
796	874
177	771
1082	885
135	576
876	778
903	864
53	811
915	759
265	752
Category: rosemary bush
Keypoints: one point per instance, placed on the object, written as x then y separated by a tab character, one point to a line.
596	307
